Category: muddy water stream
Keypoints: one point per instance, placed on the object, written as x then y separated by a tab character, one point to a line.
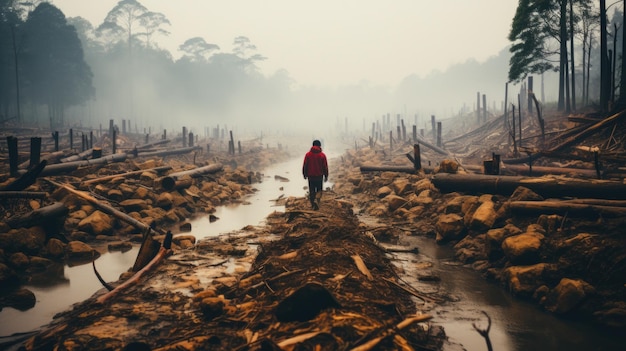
515	325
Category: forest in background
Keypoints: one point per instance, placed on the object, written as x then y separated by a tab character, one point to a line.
57	71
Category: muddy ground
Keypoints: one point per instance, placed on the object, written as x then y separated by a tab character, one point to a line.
246	290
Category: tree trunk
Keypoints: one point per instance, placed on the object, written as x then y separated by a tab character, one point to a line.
569	208
544	186
604	64
39	216
72	166
169	182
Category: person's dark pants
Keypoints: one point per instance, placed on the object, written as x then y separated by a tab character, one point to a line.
315	186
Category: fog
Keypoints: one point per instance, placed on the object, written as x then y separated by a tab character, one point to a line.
155	84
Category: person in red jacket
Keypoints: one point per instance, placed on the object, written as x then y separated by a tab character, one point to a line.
315	169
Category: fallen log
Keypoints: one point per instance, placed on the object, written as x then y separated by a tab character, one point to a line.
169	182
125	175
401	169
169	152
72	166
587	131
542	170
569	208
39	216
50	158
435	148
104	207
81	156
544	186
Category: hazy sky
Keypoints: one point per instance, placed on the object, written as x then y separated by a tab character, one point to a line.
335	42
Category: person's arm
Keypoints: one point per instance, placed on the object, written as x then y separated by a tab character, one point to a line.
304	167
325	164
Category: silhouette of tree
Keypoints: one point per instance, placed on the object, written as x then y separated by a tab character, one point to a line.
55	73
197	49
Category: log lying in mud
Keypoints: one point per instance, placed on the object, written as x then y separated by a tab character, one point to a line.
544	186
169	182
38	216
163	252
569	208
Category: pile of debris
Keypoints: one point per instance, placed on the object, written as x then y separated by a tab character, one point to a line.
308	280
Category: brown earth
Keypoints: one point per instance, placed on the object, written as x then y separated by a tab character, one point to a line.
571	264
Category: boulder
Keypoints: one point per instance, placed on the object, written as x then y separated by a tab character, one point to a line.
20	299
522	193
384	192
78	250
449	227
395	202
98	223
567	295
19	261
523	249
484	217
524	280
165	201
131	205
447	166
401	186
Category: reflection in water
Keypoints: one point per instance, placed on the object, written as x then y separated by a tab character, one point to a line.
58	289
64	287
516	325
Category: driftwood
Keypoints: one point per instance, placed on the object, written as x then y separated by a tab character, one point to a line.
124	175
544	186
169	182
485	332
26	179
163	252
38	216
569	208
103	207
67	167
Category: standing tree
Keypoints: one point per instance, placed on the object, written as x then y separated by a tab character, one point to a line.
197	49
530	34
55	69
152	22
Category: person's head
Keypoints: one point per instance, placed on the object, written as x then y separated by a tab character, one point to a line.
317	143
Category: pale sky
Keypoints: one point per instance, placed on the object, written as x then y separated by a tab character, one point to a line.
330	43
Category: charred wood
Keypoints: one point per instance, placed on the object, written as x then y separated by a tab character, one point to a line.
38	216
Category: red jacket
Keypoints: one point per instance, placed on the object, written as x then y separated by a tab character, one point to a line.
315	164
